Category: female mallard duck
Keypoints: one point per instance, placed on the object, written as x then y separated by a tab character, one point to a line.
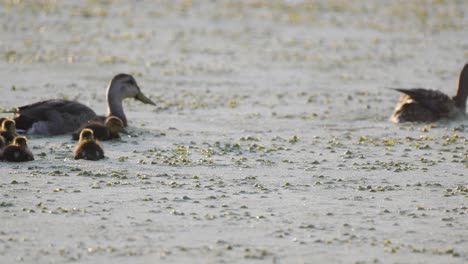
109	130
8	130
430	105
17	151
58	116
88	148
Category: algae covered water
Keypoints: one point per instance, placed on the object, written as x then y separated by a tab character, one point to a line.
269	141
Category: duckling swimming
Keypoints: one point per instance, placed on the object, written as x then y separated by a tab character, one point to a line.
8	130
430	105
109	130
88	148
58	116
18	151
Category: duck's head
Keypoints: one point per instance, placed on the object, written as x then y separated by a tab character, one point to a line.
114	124
462	92
124	86
20	141
86	134
9	125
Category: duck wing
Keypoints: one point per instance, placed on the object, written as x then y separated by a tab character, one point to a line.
39	110
435	101
55	116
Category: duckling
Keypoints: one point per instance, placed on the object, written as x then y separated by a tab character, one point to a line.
17	151
429	105
88	148
2	143
109	130
2	139
58	116
8	130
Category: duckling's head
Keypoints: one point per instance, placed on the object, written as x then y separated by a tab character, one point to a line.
9	125
114	124
20	141
86	134
124	86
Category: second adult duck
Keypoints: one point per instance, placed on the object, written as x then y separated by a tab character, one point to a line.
58	116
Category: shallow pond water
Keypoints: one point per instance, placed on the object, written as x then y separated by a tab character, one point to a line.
270	140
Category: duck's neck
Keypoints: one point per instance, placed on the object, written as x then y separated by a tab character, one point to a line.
114	104
462	92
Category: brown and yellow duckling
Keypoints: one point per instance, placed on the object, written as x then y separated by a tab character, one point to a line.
429	105
109	130
17	151
8	130
88	148
2	139
2	142
1	120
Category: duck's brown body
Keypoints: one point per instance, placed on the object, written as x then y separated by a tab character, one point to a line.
107	131
88	148
53	117
18	151
424	105
101	132
58	116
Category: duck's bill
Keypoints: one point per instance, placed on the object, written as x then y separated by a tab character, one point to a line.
124	131
142	98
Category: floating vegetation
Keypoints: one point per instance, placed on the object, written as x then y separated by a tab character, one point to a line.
377	188
249	138
293	139
459	190
395	166
256	253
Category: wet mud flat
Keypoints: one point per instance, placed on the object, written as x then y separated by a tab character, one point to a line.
270	141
